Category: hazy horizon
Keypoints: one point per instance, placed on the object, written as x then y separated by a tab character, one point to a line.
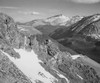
27	10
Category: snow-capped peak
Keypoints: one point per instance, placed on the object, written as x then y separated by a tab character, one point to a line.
64	18
57	19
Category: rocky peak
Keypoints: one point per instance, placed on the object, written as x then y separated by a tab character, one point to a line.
9	35
5	18
73	20
57	19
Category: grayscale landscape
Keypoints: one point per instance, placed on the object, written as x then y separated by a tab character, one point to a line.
49	41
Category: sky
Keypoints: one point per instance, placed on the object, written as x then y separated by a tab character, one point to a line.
27	10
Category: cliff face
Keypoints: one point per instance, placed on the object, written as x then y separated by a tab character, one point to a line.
9	35
10	38
9	30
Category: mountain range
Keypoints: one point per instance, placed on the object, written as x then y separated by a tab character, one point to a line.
43	50
52	23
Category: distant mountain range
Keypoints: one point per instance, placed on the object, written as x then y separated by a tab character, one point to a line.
52	23
41	51
57	20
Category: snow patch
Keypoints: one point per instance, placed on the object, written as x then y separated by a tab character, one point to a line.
62	76
80	77
61	19
75	56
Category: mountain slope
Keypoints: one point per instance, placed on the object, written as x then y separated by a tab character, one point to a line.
73	20
41	59
83	36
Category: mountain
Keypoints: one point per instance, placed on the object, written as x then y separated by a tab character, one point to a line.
52	23
27	57
82	36
54	20
73	20
57	20
47	25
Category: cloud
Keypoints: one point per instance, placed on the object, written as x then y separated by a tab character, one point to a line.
5	7
86	1
29	13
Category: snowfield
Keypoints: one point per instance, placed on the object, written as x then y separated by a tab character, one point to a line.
29	65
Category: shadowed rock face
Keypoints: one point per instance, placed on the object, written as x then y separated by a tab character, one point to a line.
59	64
